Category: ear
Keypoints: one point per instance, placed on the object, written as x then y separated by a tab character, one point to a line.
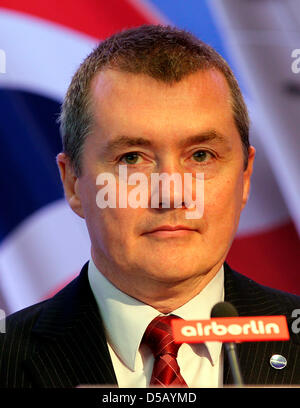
247	176
70	182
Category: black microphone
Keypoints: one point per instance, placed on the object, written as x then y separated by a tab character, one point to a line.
226	309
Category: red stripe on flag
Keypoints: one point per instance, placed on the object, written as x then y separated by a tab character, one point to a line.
97	18
271	258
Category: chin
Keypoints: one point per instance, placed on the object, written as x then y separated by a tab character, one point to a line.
173	272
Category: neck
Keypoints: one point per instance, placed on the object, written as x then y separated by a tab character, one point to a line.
174	296
164	296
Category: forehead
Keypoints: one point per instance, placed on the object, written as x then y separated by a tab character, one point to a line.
138	103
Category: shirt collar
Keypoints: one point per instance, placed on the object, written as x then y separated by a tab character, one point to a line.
199	308
125	319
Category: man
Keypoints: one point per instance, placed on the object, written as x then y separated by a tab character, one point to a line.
151	100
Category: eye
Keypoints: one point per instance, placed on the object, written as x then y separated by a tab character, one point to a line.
130	158
202	155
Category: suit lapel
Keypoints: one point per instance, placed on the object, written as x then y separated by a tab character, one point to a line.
254	357
69	341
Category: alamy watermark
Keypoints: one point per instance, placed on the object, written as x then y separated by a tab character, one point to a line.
296	322
160	188
296	63
2	321
2	62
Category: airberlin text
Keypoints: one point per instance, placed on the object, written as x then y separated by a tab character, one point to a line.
251	328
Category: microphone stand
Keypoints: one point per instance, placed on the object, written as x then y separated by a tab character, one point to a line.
234	364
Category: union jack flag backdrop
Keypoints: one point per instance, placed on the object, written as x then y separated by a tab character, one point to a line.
43	245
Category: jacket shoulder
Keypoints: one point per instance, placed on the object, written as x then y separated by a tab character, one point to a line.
16	342
16	332
23	319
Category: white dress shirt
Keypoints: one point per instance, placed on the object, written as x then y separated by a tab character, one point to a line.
125	320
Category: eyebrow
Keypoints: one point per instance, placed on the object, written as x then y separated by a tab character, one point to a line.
126	141
122	142
206	136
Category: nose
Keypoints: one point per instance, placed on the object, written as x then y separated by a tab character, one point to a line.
167	188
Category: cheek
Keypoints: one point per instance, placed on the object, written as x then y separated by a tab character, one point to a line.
113	228
114	234
223	200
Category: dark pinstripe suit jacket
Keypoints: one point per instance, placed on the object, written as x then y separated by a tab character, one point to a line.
61	343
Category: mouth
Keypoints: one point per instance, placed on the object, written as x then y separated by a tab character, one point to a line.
174	231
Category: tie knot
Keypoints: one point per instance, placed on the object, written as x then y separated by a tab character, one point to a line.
159	337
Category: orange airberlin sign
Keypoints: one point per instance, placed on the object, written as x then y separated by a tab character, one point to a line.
231	329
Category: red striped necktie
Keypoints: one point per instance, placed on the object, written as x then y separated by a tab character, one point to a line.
158	336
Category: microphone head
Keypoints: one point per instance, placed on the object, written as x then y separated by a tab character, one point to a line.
223	309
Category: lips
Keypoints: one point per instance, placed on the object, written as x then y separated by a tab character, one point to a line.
170	231
172	228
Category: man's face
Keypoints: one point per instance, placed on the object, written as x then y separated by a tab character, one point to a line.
153	127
